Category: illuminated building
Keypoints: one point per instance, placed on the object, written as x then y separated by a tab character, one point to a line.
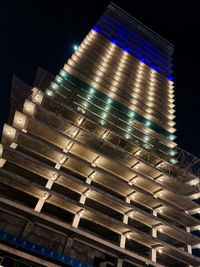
89	171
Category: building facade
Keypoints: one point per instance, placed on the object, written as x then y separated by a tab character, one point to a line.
90	174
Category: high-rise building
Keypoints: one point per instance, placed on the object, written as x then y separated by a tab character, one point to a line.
90	174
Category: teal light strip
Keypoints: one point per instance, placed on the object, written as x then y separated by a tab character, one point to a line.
116	129
104	113
119	106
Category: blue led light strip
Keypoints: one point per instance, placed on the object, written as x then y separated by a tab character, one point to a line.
41	250
128	51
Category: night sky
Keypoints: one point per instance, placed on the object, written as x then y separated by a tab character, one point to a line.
42	33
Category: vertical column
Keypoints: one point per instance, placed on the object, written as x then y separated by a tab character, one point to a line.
2	161
119	263
68	246
27	229
82	200
152	251
48	185
10	134
122	242
55	176
188	247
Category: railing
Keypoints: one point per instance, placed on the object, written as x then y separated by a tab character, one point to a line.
189	164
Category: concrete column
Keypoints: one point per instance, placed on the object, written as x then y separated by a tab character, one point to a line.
119	263
39	205
125	219
48	185
50	182
27	229
76	220
82	200
188	247
2	161
88	180
152	252
42	200
122	241
68	246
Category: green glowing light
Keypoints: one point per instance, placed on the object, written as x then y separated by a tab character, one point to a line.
173	161
102	122
127	136
54	85
49	92
92	90
109	100
58	79
146	146
148	123
63	73
171	137
75	47
85	104
173	152
81	109
104	115
132	114
146	138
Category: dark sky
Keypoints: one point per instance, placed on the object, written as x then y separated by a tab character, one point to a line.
42	33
